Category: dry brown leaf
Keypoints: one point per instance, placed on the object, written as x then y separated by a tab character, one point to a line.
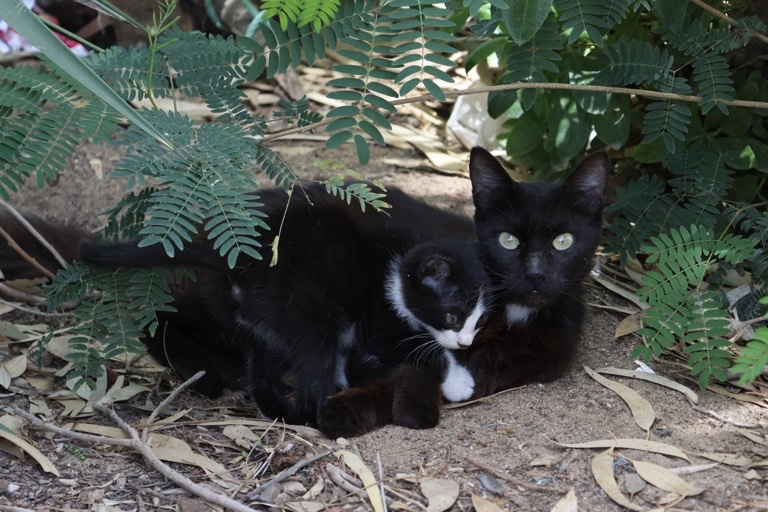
753	437
620	290
742	397
730	459
545	460
440	493
633	483
39	407
483	505
568	503
168	449
652	377
72	408
16	366
45	463
641	409
241	435
633	444
5	377
602	469
629	325
357	465
664	479
11	331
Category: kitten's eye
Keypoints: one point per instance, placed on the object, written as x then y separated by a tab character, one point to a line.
509	241
451	319
482	321
562	242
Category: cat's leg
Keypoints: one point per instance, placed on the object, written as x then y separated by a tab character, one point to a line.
355	411
417	398
266	385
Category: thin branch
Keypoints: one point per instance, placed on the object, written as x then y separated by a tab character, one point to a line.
24	254
14	294
135	443
24	222
290	472
535	85
711	10
165	470
170	398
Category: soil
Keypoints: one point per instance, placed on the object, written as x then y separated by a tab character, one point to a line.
502	450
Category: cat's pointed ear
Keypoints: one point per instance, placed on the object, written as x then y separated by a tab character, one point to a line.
487	175
587	183
434	269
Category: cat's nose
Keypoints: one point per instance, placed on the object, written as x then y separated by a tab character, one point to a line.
464	341
535	278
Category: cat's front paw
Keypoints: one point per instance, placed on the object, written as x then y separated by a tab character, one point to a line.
417	401
458	384
356	411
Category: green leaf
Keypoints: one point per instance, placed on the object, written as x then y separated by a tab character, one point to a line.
524	18
23	21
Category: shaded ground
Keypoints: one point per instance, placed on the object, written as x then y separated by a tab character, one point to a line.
513	434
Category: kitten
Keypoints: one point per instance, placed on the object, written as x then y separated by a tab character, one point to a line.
537	242
324	301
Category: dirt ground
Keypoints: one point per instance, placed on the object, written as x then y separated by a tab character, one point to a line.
501	452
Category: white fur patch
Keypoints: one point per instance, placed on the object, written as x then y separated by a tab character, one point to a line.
517	314
458	383
394	291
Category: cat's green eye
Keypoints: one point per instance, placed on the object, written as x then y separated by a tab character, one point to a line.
451	319
509	241
563	242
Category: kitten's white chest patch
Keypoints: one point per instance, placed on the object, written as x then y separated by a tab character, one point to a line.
517	314
458	383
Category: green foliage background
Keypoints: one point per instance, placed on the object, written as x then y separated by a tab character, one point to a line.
675	91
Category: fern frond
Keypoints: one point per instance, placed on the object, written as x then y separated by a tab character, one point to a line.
663	325
45	117
529	61
633	61
702	179
275	167
706	340
580	16
337	186
668	119
752	360
713	76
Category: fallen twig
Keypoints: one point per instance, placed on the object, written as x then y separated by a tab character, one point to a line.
514	481
342	479
14	294
40	238
724	419
290	472
151	459
170	398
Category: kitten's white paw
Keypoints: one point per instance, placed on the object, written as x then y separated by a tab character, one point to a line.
458	383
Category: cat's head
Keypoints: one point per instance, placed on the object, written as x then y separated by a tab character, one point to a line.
441	288
537	239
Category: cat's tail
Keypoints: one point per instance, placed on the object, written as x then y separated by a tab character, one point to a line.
19	245
130	254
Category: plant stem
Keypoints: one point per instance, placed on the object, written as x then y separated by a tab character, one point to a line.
537	85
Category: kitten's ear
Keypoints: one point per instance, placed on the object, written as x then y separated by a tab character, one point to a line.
487	175
438	269
588	181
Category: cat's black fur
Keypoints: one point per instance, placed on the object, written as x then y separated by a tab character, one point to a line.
534	337
324	302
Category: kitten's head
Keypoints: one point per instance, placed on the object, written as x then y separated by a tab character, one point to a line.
537	239
441	288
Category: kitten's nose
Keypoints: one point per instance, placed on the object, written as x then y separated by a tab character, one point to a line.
534	269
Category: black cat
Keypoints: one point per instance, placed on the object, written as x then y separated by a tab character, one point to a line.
537	244
323	313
